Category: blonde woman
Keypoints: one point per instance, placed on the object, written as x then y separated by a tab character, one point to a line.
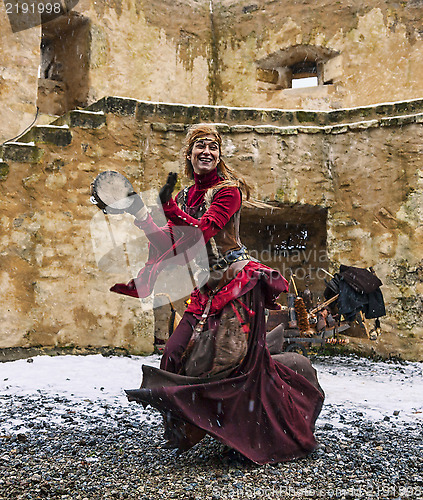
216	374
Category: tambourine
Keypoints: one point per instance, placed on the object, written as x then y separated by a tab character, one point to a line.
111	191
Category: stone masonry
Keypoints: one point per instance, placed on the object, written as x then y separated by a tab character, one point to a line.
360	167
216	52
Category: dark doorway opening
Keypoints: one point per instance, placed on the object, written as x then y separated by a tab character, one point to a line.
292	239
63	82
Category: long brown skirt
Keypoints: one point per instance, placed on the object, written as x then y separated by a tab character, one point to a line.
262	408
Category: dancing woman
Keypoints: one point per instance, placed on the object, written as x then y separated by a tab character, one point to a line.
216	375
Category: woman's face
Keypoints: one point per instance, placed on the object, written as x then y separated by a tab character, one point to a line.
205	155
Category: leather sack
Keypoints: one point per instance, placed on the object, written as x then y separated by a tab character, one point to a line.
218	352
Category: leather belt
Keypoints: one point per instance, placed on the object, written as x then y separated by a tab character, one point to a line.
237	255
219	278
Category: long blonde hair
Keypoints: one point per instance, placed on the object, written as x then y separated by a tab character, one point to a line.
230	177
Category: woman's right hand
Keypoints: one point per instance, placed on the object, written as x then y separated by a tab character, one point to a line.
136	205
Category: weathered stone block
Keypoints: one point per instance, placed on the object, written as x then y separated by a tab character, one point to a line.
145	110
333	69
307	116
195	114
50	134
22	153
224	114
82	118
288	130
245	115
170	112
363	112
276	115
336	116
396	121
121	106
86	119
267	75
384	109
337	129
224	128
346	115
287	117
363	125
408	106
266	129
159	127
250	8
100	105
242	129
176	127
311	130
4	170
206	114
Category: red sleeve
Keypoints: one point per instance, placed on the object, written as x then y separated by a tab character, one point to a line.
225	203
159	237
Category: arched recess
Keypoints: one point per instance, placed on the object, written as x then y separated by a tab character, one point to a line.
63	82
281	68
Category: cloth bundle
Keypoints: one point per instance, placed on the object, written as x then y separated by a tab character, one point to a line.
359	289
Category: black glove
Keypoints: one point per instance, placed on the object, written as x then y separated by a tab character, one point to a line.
136	205
165	193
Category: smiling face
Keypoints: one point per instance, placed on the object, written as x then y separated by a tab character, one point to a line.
205	154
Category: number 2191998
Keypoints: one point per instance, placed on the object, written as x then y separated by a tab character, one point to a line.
33	7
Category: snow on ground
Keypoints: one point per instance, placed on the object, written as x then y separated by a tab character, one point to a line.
376	389
373	390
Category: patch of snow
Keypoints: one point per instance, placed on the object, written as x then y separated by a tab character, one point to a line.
95	385
375	389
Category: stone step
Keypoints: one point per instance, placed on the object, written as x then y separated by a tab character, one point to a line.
21	152
48	134
82	118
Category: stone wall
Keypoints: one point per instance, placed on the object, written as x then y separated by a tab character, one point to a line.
19	61
52	290
209	52
353	176
379	48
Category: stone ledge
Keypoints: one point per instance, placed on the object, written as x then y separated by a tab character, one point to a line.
15	353
22	152
190	113
242	129
336	129
294	130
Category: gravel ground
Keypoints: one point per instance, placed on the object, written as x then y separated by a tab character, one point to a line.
59	447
